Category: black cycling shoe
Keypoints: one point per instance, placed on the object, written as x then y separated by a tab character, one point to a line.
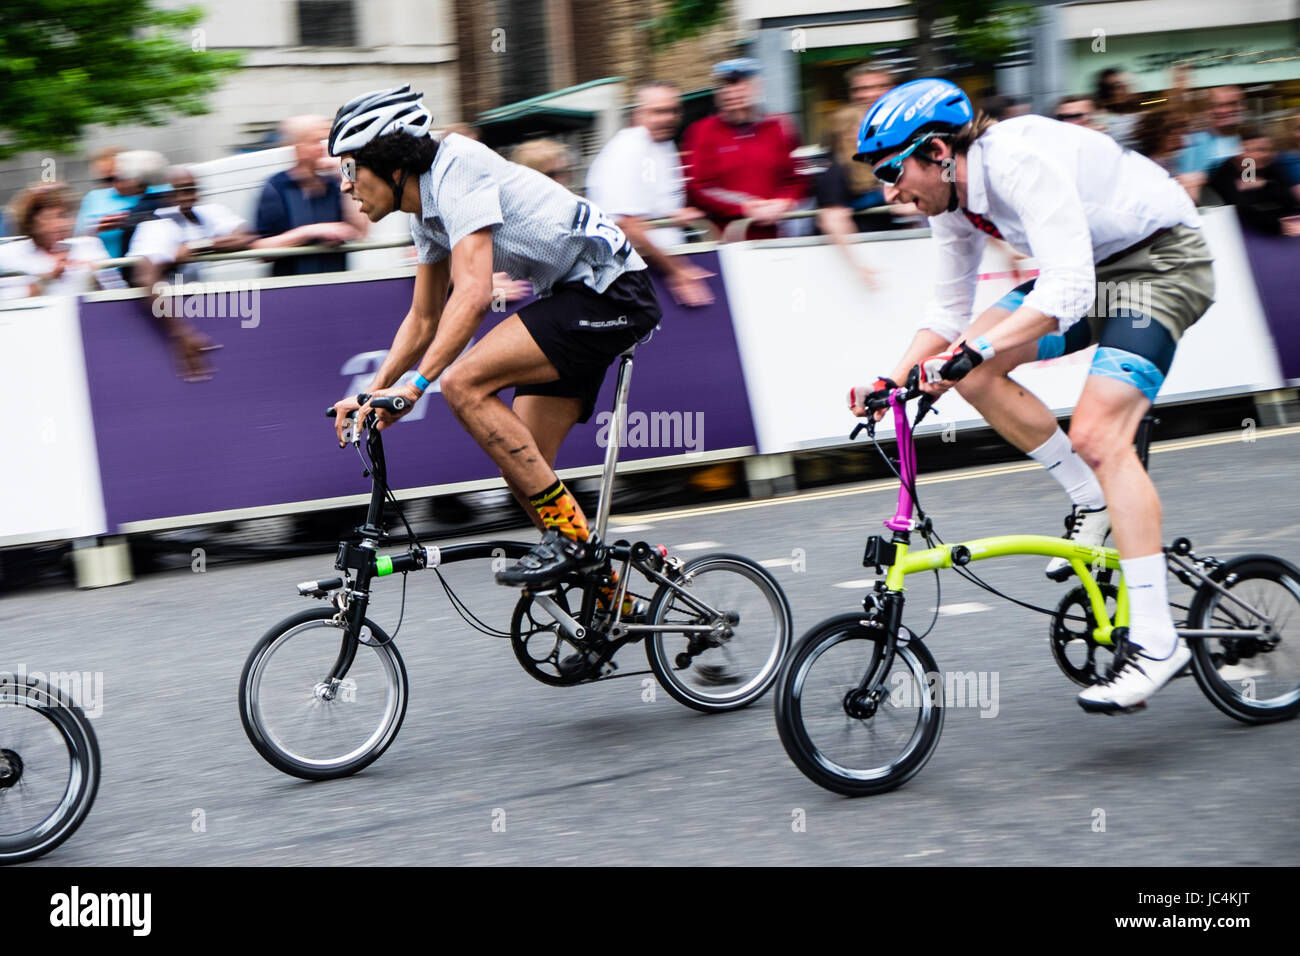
550	559
573	666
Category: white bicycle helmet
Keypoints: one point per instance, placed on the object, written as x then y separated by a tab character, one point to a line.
373	114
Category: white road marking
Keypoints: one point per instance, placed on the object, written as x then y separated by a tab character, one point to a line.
696	546
777	562
970	607
630	528
864	583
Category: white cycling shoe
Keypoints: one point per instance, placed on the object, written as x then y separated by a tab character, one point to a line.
1133	677
1087	526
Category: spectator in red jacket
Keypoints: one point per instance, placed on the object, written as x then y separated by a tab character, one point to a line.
737	161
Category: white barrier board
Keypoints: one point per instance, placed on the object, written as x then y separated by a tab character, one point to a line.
49	470
808	328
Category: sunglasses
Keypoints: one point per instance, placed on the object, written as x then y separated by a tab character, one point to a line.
348	167
890	171
1071	117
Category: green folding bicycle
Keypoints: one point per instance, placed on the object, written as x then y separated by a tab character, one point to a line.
859	703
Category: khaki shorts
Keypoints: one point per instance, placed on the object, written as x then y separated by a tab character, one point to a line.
1171	280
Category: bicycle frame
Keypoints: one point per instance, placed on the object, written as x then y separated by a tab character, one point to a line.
902	561
362	562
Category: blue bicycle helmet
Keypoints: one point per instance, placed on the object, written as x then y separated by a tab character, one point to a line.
908	112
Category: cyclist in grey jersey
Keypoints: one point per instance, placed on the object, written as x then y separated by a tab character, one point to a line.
476	213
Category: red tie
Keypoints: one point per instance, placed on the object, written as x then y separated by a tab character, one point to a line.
982	224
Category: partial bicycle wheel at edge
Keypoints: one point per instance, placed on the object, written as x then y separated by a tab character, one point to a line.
308	726
852	753
1254	680
735	663
49	768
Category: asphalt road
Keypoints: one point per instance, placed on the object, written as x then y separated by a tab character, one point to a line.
596	774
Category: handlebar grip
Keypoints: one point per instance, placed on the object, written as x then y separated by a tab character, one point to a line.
389	403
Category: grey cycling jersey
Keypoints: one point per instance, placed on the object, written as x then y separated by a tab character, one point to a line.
540	231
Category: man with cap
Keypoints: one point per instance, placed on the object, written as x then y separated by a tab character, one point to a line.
738	160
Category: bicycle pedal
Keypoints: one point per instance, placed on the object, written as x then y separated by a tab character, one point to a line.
607	668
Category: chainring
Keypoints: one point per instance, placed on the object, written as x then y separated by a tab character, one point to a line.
1073	646
540	643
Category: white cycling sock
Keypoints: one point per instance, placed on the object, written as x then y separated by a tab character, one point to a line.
1149	622
1063	463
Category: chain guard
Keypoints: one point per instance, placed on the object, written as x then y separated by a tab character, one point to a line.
1073	647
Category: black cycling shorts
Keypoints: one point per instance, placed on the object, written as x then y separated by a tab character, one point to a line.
581	331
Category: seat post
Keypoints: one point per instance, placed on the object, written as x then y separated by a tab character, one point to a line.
616	427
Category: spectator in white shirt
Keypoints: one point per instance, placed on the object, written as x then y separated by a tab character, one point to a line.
168	240
50	260
637	177
187	229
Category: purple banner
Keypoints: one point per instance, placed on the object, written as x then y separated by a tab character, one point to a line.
1274	262
256	433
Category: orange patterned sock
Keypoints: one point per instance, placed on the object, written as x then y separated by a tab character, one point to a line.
607	594
558	509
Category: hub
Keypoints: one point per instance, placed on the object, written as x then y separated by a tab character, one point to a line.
11	768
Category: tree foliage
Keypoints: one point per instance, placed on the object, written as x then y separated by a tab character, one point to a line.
65	64
684	19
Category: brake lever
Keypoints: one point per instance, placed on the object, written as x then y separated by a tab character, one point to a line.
923	408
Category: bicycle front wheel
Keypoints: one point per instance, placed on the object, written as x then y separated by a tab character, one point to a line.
836	739
309	724
1255	679
746	637
49	769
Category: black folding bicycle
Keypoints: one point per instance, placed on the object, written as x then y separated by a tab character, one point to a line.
323	693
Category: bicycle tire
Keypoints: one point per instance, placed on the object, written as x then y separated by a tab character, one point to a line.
766	615
304	687
1216	663
82	745
793	717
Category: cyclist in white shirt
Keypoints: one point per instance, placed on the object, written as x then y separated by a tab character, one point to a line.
1122	264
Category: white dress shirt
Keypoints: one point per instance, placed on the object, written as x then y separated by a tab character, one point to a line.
635	176
1064	194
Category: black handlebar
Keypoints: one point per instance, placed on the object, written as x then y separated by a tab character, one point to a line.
389	403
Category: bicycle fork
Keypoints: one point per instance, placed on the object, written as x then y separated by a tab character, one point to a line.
884	609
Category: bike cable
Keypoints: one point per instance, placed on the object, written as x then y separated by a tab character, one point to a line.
468	616
388	494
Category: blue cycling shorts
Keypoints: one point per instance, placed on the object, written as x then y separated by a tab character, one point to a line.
1131	347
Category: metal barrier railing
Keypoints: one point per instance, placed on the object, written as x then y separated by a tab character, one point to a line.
734	232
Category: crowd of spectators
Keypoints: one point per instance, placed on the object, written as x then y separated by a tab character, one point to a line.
736	167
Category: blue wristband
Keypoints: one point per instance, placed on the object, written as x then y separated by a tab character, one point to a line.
981	345
421	382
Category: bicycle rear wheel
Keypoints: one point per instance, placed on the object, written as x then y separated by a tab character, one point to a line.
308	725
737	660
836	742
49	769
1253	679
